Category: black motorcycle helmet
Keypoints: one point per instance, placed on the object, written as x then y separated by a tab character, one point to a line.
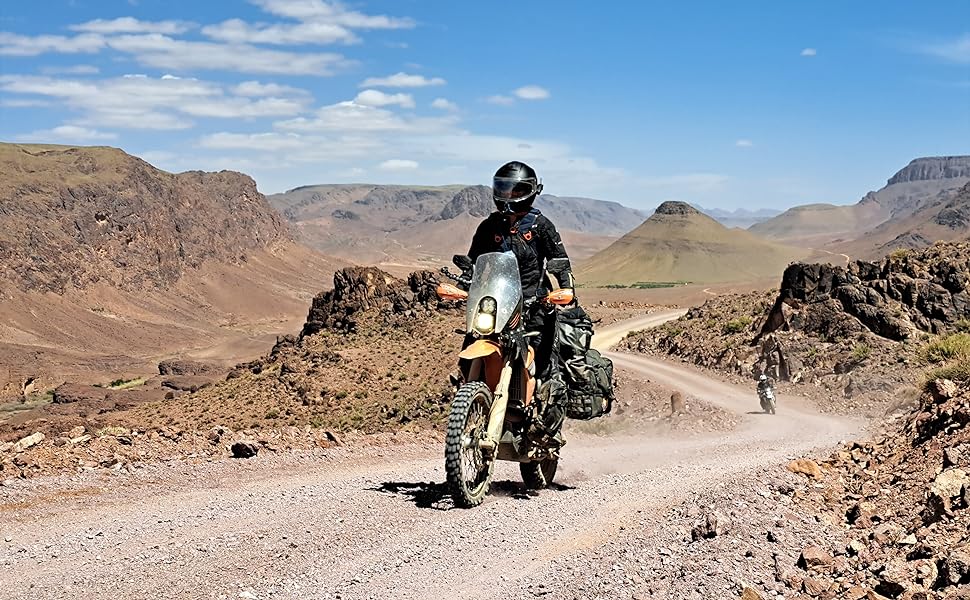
515	187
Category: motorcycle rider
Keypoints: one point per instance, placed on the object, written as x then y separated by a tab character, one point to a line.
519	227
763	385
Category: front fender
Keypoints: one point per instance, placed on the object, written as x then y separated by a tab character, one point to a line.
480	349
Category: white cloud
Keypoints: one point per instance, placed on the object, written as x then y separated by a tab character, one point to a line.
377	98
238	31
809	52
12	44
167	53
531	92
69	133
402	80
140	102
256	88
132	25
351	116
500	100
331	12
956	50
444	104
73	70
397	164
742	143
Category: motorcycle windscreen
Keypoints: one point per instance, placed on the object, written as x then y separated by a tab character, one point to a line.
496	275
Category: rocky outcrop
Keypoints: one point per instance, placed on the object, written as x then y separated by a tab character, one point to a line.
474	200
674	207
895	298
934	167
74	217
185	367
360	290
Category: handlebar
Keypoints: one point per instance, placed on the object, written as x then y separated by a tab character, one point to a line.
464	281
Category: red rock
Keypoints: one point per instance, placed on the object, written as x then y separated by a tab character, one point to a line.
804	466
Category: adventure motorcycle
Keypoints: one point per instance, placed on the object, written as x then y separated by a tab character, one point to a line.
767	397
500	399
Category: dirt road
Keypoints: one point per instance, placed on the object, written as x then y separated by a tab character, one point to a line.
376	524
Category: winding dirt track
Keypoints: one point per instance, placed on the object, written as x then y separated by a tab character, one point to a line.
366	526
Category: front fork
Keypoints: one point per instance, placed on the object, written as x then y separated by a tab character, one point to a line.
496	416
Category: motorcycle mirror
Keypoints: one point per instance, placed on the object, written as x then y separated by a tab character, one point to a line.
557	265
462	261
446	291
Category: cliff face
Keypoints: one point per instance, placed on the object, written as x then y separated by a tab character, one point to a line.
896	298
71	217
932	168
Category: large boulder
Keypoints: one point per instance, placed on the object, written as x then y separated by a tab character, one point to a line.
69	393
185	367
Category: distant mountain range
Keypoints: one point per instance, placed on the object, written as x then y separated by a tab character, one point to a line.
905	212
414	226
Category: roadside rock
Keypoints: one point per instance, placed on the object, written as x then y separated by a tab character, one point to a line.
813	556
806	467
186	383
244	449
185	367
69	393
712	525
28	442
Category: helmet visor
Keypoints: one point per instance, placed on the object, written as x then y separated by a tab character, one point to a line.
509	190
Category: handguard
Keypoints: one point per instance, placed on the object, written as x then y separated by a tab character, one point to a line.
561	297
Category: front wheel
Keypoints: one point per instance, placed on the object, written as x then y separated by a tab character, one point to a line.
538	475
467	467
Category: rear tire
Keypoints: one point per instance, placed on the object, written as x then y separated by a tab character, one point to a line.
467	468
538	475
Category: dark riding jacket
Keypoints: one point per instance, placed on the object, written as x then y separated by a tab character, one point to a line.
534	241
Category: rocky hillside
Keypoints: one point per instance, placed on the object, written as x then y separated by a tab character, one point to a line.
77	216
108	265
680	244
850	337
922	182
413	226
943	218
903	503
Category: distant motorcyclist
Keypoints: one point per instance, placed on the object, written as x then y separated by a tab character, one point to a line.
519	227
765	394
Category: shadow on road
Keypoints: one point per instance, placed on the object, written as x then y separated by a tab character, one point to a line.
435	495
423	494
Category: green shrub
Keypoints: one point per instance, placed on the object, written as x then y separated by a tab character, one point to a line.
272	413
899	254
958	371
861	351
963	325
955	345
736	325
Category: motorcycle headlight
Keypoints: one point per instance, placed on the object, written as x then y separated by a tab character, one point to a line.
484	323
488	305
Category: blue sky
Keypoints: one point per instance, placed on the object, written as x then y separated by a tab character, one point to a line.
724	104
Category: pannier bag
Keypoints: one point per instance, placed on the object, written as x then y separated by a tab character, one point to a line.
588	375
